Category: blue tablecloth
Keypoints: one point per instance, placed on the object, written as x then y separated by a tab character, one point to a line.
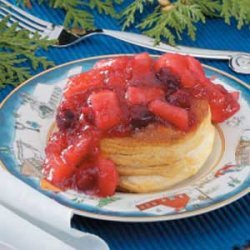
223	229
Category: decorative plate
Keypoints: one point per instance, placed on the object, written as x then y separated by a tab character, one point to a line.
27	114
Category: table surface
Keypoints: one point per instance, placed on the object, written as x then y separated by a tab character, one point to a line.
225	228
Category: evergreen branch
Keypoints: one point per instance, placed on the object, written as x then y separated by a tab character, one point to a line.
129	14
173	22
240	10
155	26
78	18
167	19
75	16
105	7
10	71
209	8
17	53
170	19
78	13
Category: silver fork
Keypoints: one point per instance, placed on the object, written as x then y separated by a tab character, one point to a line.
238	61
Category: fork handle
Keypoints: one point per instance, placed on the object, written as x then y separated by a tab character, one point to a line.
148	42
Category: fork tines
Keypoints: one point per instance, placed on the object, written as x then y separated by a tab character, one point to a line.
24	19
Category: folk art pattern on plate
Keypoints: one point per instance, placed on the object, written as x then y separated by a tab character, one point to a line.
34	115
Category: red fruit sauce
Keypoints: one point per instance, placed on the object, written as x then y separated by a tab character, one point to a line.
113	99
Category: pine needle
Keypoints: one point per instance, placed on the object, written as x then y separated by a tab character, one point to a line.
172	23
17	53
128	15
169	22
166	20
240	10
79	13
181	16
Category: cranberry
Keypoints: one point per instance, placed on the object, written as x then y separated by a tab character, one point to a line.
169	79
180	98
87	115
86	178
140	116
65	119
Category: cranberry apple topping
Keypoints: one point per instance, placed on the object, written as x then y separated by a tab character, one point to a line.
116	98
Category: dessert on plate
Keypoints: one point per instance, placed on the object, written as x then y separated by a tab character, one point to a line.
135	124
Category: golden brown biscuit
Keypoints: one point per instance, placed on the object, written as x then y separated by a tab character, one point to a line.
158	157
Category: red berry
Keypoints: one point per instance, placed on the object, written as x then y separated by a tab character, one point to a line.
196	68
187	68
56	170
76	152
143	95
222	103
170	113
171	82
106	108
65	119
86	179
142	72
181	98
175	62
114	71
83	82
107	178
140	116
114	64
235	95
57	142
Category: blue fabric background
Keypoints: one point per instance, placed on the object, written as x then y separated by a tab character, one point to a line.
222	229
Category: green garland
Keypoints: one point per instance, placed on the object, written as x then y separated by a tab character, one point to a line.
163	19
78	13
170	19
17	53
